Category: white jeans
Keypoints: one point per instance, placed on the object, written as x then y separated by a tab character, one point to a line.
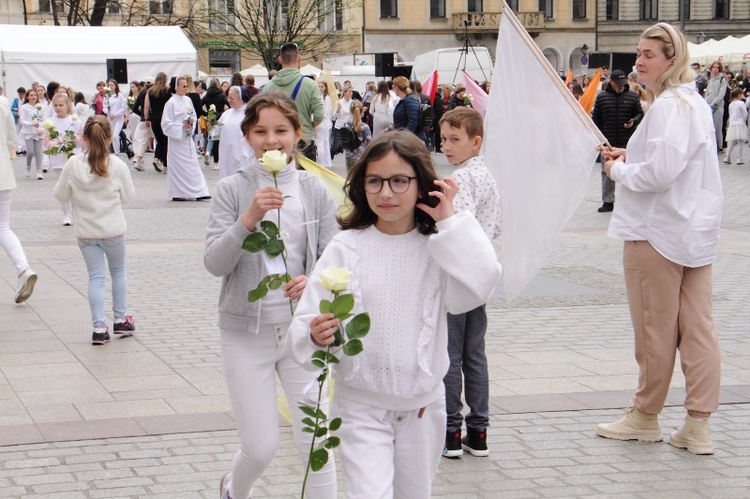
8	240
142	136
251	363
67	206
389	454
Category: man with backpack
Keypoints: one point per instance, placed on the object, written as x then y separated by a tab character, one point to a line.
426	114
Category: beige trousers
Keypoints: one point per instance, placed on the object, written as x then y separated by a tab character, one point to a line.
670	306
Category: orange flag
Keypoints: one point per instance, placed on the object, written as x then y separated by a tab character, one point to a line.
569	77
589	96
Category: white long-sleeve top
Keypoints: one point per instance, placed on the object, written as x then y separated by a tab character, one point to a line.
671	192
98	200
115	106
379	107
737	113
327	122
28	115
407	283
341	116
478	194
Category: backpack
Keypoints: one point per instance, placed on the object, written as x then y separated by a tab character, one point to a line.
348	137
426	117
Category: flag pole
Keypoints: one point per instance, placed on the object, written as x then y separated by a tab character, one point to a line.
556	80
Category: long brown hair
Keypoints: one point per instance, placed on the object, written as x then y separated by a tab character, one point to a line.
98	135
160	84
357	111
412	150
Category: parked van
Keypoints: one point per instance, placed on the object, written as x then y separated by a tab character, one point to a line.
447	61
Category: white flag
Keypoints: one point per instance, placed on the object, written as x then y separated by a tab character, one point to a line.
540	147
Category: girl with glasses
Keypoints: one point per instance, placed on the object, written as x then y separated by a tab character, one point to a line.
412	260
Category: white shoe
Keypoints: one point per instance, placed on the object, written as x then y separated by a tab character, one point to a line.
26	283
727	161
215	168
39	176
139	165
205	160
67	221
157	165
28	171
695	436
634	425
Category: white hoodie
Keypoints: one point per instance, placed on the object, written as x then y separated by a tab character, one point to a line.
98	200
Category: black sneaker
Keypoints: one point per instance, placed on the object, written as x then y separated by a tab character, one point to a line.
452	447
126	327
100	338
606	207
475	443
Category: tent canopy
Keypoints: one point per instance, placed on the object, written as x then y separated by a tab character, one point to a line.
76	56
729	50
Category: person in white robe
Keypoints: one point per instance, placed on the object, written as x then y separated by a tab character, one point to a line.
234	151
185	179
323	130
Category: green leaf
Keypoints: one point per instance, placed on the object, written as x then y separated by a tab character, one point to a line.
269	228
308	430
320	432
254	242
325	306
332	359
319	354
342	305
275	283
265	280
274	247
308	422
318	363
257	293
338	337
306	409
332	442
359	326
335	424
318	459
353	347
285	277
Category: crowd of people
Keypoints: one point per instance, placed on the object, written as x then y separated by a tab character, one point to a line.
400	399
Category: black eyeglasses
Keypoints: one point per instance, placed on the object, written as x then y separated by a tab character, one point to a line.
398	183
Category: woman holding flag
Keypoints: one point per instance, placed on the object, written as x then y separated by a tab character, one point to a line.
668	215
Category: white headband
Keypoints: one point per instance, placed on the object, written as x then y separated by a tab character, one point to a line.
675	37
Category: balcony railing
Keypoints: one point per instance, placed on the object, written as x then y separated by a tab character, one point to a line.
490	21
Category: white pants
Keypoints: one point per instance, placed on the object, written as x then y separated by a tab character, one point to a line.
389	454
142	136
67	206
116	125
8	239
133	121
251	363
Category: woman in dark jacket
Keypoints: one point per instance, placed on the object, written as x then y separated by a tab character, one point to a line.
406	112
156	99
214	96
457	99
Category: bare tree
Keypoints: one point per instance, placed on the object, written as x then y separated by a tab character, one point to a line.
317	26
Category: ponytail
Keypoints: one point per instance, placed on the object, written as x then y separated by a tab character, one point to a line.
98	135
356	110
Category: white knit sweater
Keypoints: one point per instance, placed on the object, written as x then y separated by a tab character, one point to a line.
98	200
406	283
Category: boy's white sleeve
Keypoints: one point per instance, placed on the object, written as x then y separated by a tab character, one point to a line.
466	255
299	345
465	199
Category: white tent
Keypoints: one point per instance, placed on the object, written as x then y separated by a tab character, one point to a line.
76	56
729	50
309	69
257	70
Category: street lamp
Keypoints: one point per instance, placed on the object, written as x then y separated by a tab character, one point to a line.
700	37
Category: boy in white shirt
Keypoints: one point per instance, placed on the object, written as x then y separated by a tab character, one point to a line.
461	133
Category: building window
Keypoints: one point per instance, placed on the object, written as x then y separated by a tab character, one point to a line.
46	6
275	15
331	14
113	7
474	6
160	8
579	9
649	10
388	8
223	62
613	10
221	15
546	7
437	9
721	9
687	9
513	4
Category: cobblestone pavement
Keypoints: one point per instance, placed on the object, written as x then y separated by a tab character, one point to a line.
149	416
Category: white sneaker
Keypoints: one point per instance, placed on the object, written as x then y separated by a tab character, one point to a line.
634	425
28	171
39	176
727	161
695	436
67	221
139	165
224	486
26	282
205	160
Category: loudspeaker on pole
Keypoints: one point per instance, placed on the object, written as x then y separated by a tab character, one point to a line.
384	64
117	69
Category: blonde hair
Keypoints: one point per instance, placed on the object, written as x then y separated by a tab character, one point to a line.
63	95
98	135
680	72
357	110
402	84
191	85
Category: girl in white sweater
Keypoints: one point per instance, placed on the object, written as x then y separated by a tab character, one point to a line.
61	122
99	184
115	108
412	260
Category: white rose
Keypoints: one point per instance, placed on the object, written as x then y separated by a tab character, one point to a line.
75	117
38	106
189	108
212	107
48	124
335	279
273	161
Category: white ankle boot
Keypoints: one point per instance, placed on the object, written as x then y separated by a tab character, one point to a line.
634	425
695	436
